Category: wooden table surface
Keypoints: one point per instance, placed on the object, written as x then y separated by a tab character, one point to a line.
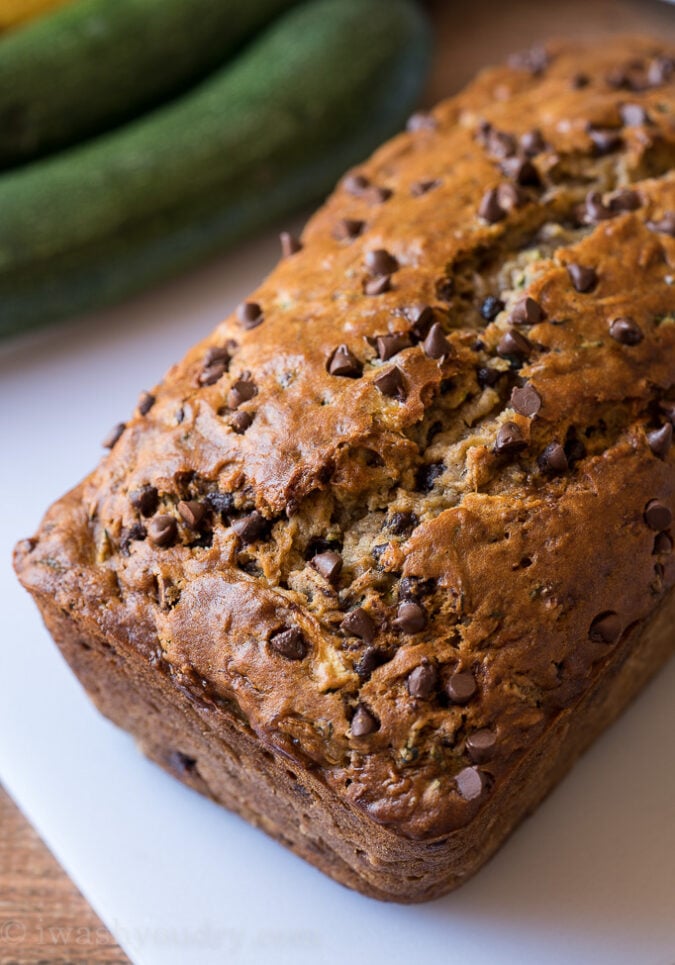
43	917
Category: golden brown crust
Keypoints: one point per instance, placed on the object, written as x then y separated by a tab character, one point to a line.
498	492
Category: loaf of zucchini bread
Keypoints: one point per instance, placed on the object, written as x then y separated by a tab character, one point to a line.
379	558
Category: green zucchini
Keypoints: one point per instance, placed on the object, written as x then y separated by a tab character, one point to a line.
97	63
314	94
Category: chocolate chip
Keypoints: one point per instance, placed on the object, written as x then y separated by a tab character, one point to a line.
356	183
515	344
511	196
617	78
605	628
660	440
347	229
532	143
363	722
436	344
490	209
241	391
378	195
605	140
192	511
163	530
241	421
487	376
402	524
427	475
657	515
390	345
380	262
145	500
481	745
665	226
222	503
583	278
377	286
359	623
135	533
553	459
410	617
634	77
413	588
469	783
251	527
526	400
663	544
289	643
214	365
626	331
372	659
660	71
377	551
625	199
483	131
410	588
212	373
221	353
524	173
344	363
634	115
392	384
328	565
250	314
421	121
146	400
461	687
491	307
114	435
423	187
580	81
422	681
509	440
290	245
527	312
421	318
594	208
499	144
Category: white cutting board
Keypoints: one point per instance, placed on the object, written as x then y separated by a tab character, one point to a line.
590	879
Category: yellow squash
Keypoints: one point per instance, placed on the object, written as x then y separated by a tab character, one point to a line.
14	12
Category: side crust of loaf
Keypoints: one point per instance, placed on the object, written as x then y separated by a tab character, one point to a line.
216	754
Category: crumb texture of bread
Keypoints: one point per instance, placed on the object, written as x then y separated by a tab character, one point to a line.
398	517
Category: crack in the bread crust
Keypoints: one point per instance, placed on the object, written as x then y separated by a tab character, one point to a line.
435	475
460	418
